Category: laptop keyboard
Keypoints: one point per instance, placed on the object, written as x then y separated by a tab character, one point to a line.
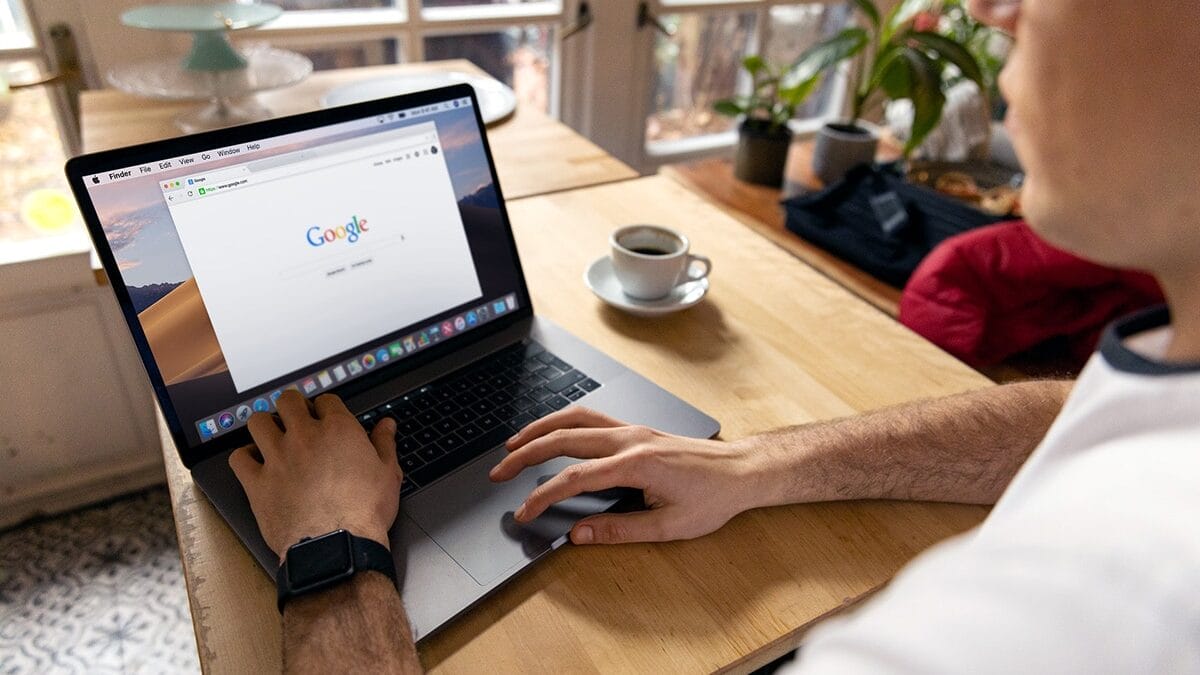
460	416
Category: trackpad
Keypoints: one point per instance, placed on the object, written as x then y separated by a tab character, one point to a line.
470	517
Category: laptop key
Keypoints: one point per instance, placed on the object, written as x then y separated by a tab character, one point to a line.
426	436
524	403
563	381
406	445
521	421
541	394
410	462
452	460
469	432
574	393
488	422
407	487
589	384
446	408
450	442
540	410
408	427
427	417
558	402
430	452
445	426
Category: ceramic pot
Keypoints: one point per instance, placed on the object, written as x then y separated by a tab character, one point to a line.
761	153
841	147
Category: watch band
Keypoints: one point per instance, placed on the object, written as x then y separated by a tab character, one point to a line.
355	555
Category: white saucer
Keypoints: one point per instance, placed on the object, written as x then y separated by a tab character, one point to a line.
600	278
496	100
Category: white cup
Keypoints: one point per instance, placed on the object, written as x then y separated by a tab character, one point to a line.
650	261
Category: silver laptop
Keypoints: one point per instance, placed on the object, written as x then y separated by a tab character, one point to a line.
364	251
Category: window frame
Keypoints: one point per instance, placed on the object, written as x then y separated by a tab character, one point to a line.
409	22
655	154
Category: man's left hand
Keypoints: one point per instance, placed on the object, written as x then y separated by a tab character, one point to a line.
318	473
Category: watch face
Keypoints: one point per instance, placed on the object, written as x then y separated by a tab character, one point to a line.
319	559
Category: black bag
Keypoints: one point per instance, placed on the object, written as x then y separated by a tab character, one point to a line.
877	221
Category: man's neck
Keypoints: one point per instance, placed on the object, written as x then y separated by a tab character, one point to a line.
1183	293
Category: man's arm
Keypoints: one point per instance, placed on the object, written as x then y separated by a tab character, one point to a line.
311	471
963	448
356	626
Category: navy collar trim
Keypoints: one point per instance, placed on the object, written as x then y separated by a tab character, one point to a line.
1122	358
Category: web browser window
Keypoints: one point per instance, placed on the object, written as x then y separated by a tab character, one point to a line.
307	259
309	254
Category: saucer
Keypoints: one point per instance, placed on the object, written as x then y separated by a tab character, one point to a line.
600	278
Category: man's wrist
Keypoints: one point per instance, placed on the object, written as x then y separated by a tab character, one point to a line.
300	534
781	468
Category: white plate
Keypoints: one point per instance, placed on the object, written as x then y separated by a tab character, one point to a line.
496	100
600	278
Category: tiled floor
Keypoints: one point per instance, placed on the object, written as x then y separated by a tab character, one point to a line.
96	591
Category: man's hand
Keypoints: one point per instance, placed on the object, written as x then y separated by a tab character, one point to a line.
319	473
692	487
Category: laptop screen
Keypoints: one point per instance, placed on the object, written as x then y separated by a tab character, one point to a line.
309	259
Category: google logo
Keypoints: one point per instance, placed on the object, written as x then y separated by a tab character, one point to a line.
351	231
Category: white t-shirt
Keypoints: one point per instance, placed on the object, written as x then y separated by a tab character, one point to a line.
1090	562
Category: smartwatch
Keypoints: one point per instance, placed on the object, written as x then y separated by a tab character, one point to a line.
316	563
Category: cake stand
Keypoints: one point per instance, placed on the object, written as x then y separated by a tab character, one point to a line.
214	70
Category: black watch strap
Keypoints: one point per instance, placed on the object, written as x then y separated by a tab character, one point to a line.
316	563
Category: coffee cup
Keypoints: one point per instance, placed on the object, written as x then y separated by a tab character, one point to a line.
650	261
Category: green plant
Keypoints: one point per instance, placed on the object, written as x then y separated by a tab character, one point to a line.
899	61
774	95
988	45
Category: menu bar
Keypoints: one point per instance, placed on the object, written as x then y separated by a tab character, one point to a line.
174	164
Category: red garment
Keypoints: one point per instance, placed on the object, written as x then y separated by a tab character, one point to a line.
999	290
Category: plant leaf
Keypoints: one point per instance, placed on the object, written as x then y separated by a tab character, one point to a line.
951	51
903	12
729	107
754	64
891	74
867	7
795	95
926	96
821	56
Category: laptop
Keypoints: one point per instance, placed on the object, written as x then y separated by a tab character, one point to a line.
363	251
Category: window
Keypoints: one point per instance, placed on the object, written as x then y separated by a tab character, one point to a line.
512	40
14	27
690	73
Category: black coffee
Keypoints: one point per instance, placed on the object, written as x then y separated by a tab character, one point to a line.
647	250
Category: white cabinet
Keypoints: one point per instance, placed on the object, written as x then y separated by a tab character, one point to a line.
76	412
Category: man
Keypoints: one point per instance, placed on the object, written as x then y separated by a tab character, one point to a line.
1089	562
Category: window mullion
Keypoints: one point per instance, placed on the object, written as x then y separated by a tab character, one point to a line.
414	46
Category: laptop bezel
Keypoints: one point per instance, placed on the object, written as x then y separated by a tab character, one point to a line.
109	160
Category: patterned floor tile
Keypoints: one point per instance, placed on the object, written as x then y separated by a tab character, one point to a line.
96	591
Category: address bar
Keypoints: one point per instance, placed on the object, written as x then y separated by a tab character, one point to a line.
321	162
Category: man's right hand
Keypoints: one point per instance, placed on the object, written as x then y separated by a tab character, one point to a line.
692	487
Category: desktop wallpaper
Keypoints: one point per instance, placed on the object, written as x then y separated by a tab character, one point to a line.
163	290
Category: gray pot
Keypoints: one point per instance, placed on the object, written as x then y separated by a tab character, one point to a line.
761	153
841	147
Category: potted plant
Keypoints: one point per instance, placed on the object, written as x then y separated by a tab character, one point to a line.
900	60
763	134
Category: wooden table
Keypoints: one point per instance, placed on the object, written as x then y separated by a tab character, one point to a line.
758	208
775	343
534	153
